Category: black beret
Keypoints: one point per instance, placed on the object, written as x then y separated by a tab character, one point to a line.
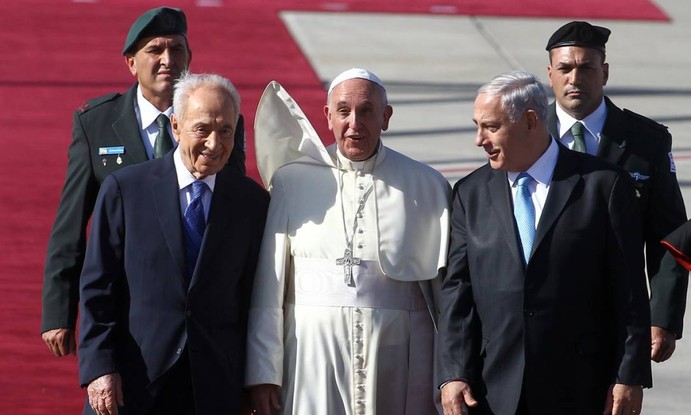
160	21
579	34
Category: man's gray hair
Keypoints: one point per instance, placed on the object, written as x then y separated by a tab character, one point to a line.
189	82
520	91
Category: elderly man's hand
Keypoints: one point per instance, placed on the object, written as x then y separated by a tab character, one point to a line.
60	341
663	344
624	400
456	396
105	394
265	399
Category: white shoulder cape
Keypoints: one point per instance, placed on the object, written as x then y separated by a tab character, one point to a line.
412	199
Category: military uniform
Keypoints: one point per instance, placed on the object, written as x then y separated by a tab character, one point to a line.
643	148
105	137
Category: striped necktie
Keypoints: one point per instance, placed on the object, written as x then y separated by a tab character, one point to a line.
194	224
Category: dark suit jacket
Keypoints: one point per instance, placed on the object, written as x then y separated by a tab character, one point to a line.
106	121
575	320
138	307
642	147
678	243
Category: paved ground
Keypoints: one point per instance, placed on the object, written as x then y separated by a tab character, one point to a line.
433	65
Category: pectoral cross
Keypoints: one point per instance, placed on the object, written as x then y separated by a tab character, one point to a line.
348	261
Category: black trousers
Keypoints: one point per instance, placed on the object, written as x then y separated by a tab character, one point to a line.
176	394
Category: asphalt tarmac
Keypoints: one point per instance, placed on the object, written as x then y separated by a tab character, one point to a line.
432	66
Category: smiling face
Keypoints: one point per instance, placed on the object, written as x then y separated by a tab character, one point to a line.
506	143
357	114
157	63
205	133
577	76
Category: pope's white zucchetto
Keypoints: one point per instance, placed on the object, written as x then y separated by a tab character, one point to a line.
355	73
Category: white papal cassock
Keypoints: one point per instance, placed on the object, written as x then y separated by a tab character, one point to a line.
335	346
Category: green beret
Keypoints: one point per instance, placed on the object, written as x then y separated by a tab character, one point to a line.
579	34
160	21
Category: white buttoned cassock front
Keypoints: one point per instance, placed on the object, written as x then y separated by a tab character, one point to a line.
334	348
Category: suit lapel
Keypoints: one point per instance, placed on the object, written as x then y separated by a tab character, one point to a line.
500	201
126	128
612	139
564	180
552	121
221	212
167	204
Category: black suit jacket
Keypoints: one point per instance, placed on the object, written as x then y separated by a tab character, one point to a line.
106	121
139	308
643	148
574	321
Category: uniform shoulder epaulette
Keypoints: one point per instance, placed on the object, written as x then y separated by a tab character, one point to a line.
95	102
647	121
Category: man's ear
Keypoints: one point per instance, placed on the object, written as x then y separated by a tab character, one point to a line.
388	112
129	61
175	126
328	117
531	119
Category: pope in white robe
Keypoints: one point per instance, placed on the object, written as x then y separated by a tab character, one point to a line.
342	316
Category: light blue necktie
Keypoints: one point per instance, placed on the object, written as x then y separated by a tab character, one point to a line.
524	212
195	224
578	133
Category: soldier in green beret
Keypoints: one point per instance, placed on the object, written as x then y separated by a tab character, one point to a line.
110	132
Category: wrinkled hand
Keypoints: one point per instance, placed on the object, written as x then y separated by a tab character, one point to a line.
265	399
105	394
60	341
456	397
663	344
624	400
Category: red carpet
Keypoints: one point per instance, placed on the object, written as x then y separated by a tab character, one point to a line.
59	53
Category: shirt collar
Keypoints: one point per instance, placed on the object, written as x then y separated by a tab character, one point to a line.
147	111
593	122
185	178
543	168
366	166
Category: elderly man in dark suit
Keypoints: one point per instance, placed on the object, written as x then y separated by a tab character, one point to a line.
111	132
169	268
544	308
584	119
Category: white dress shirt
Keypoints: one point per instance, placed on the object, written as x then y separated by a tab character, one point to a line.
541	171
593	124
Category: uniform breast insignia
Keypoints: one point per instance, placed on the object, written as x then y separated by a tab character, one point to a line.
638	177
113	150
672	166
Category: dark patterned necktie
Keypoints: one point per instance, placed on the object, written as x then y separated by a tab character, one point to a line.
163	143
578	137
195	224
524	212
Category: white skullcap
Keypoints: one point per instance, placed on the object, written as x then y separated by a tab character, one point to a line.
355	73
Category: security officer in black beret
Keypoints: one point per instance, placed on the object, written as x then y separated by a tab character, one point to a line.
586	120
110	132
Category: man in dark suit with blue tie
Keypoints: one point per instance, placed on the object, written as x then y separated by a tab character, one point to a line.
583	118
111	132
169	267
544	308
